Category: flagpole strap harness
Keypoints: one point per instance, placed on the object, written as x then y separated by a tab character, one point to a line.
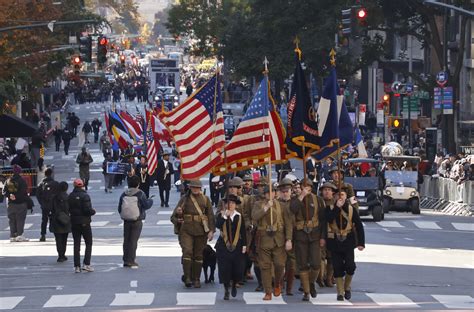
271	229
309	225
201	217
341	234
231	243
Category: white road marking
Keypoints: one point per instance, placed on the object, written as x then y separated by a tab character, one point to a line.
164	222
463	226
165	212
196	298
391	300
90	170
427	225
27	226
409	239
133	299
456	301
257	298
386	230
66	301
48	157
328	299
105	213
99	223
9	303
390	224
133	284
68	157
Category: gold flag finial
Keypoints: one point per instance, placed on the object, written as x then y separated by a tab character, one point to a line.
332	55
297	49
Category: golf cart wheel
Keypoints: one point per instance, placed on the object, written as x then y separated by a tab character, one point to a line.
377	213
386	205
415	206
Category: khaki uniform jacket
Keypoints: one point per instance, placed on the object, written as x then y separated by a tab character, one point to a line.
262	219
298	208
194	227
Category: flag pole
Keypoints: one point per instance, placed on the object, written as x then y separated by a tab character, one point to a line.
304	178
270	186
332	55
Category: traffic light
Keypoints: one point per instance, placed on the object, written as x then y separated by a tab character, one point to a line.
396	123
361	15
122	60
77	63
386	103
85	48
102	43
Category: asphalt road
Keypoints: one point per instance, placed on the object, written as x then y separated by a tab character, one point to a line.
420	262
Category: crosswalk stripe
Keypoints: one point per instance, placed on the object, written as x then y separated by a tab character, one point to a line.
8	303
166	212
99	223
391	300
328	299
463	226
456	301
426	225
257	298
164	222
196	298
390	224
66	301
133	298
105	213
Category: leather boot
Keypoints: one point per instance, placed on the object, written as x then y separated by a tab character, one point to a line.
330	276
347	286
277	280
267	296
187	269
197	267
321	276
304	278
226	292
312	278
290	278
340	288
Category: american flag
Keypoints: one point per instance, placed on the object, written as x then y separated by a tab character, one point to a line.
259	136
197	126
151	151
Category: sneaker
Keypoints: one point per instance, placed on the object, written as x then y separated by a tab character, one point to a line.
61	259
77	269
134	265
12	239
22	239
42	238
88	268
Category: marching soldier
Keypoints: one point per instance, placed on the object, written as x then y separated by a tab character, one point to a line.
194	219
343	218
326	275
247	188
274	231
284	188
234	188
310	236
337	175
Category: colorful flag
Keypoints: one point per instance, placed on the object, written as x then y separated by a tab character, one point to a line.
259	136
159	131
359	143
119	131
151	150
302	118
133	126
197	126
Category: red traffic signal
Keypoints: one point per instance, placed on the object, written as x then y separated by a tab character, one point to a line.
76	60
122	58
103	41
361	13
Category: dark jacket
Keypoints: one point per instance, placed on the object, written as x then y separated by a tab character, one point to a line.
60	205
143	202
355	238
96	124
231	227
163	178
45	192
80	207
17	186
58	135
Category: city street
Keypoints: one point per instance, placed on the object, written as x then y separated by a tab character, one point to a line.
410	262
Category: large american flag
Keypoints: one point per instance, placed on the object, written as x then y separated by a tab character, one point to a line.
151	151
259	136
197	126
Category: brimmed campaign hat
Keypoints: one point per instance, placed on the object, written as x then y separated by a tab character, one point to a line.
195	183
232	197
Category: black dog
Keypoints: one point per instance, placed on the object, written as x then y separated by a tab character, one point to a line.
209	261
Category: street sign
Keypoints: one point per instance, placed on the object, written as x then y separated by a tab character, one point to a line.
443	99
409	88
441	78
410	104
23	97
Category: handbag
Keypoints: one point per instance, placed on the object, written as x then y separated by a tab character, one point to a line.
62	218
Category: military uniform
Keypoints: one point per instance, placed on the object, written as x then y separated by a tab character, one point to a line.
272	237
192	232
310	227
346	187
341	243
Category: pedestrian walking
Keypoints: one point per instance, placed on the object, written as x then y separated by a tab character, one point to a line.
108	177
37	142
60	220
75	122
67	136
58	135
141	171
163	175
104	144
15	191
342	218
231	245
96	124
45	193
194	220
84	159
87	129
81	210
132	206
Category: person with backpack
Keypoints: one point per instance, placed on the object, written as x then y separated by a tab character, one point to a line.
67	136
58	135
80	208
45	192
60	220
132	205
96	124
87	129
16	191
84	159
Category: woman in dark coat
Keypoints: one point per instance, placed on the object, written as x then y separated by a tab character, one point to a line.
231	245
60	223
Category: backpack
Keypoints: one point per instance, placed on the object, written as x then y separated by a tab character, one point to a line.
48	190
130	210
